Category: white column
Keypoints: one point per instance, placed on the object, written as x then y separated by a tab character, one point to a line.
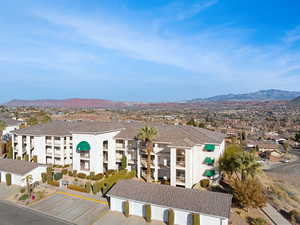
138	159
52	147
62	150
155	163
20	146
188	168
126	152
68	150
112	154
28	147
173	167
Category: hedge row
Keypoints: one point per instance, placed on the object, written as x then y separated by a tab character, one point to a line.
53	183
8	179
77	188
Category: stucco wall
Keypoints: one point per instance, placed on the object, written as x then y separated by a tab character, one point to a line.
160	213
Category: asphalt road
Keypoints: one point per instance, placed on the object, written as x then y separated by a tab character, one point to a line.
16	215
287	172
288	168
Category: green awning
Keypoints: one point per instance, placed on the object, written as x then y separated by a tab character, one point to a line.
209	173
209	161
83	147
209	147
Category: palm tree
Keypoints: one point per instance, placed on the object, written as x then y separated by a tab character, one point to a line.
147	135
247	165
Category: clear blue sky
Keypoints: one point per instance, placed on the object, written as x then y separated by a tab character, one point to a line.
155	50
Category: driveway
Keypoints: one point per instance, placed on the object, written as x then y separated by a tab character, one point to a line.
73	208
15	215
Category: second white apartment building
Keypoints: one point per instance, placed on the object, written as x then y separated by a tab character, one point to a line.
182	155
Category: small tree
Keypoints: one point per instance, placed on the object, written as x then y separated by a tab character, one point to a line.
26	157
249	193
10	151
34	158
196	219
192	122
124	162
126	208
2	127
171	217
28	179
148	213
88	187
44	177
8	179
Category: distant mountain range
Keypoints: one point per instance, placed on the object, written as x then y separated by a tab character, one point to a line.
295	101
263	95
259	96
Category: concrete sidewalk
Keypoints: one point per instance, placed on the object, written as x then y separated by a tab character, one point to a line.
274	216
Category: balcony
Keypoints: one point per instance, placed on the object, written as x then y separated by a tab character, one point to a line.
120	146
48	142
180	180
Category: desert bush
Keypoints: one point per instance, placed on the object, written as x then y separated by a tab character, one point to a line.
148	213
8	179
77	188
249	193
204	183
34	158
171	217
53	183
23	197
22	190
81	175
258	221
126	208
64	171
295	216
88	187
70	173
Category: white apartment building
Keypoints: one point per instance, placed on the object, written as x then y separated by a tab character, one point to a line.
183	155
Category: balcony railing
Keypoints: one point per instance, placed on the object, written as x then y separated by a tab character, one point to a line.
120	146
180	163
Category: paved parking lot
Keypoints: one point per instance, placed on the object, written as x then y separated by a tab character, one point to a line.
72	209
115	218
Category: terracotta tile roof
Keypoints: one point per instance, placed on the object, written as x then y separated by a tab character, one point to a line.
205	202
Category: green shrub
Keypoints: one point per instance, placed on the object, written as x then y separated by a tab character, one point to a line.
23	197
70	173
19	158
8	179
148	213
49	170
98	176
95	189
295	216
81	175
204	183
88	187
126	208
34	158
64	171
57	176
76	188
171	217
258	221
26	157
53	183
75	173
44	177
196	219
22	190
